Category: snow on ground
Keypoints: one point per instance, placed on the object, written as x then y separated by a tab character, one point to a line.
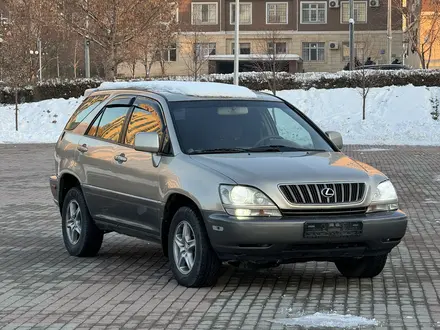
394	115
39	122
323	320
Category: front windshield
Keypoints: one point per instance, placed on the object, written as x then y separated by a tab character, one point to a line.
242	126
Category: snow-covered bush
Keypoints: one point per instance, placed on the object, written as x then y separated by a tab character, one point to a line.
253	80
48	90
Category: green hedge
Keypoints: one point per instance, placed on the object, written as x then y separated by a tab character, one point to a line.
255	81
343	79
47	90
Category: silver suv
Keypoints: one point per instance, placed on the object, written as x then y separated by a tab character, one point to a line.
218	173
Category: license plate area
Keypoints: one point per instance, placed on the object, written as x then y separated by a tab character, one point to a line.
331	229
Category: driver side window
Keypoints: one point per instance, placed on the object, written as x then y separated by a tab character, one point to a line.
290	129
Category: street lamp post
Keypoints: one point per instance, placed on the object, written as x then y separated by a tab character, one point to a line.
351	36
389	32
33	52
87	44
237	41
40	69
1	59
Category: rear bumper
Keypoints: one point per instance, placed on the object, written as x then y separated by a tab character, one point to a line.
53	182
283	240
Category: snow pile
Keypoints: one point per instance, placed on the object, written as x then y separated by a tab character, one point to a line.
202	89
39	122
394	115
322	320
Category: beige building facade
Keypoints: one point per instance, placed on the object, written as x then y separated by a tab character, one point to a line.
312	33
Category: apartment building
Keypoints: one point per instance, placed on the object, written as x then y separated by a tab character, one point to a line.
422	33
307	35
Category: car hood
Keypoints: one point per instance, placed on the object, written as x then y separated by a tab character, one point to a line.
260	169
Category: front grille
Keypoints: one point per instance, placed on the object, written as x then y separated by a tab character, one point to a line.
313	193
338	212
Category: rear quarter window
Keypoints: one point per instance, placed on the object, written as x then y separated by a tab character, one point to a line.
83	116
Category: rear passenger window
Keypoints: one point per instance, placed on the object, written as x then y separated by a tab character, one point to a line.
109	124
83	116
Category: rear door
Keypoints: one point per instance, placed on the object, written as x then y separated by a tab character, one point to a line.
136	174
97	151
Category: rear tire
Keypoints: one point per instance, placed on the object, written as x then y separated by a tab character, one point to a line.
192	259
365	267
82	238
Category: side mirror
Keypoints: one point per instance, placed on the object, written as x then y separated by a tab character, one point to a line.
336	138
147	141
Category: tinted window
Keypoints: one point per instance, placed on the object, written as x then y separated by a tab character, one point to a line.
94	127
83	115
109	125
206	125
144	119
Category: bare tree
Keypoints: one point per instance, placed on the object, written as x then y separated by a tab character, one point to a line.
270	58
195	46
365	49
17	41
421	27
113	24
153	45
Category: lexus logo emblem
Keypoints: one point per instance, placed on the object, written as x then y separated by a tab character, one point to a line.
327	192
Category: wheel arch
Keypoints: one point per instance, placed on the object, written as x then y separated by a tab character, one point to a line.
174	202
67	181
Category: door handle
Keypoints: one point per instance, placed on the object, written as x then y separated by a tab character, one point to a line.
121	158
83	148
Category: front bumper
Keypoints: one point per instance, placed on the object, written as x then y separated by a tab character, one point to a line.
283	240
53	182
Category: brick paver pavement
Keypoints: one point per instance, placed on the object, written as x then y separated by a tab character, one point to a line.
129	285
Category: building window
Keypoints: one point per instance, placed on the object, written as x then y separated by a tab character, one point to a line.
245	13
166	55
360	12
280	48
313	51
245	48
276	12
204	13
205	49
359	51
170	54
313	12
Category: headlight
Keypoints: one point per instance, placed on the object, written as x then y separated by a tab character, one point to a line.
241	201
384	198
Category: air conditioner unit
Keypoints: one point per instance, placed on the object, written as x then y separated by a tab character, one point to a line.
374	3
333	45
333	4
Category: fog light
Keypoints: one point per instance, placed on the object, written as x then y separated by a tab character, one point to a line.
243	213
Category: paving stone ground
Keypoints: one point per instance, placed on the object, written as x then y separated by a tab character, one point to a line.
129	285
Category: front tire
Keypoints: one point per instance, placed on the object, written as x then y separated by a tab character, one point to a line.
82	238
192	259
365	267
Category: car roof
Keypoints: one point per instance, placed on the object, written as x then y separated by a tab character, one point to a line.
183	91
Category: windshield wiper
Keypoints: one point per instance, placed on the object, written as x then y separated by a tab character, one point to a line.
281	148
217	151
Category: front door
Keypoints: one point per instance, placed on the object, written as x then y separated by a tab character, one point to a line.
136	173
